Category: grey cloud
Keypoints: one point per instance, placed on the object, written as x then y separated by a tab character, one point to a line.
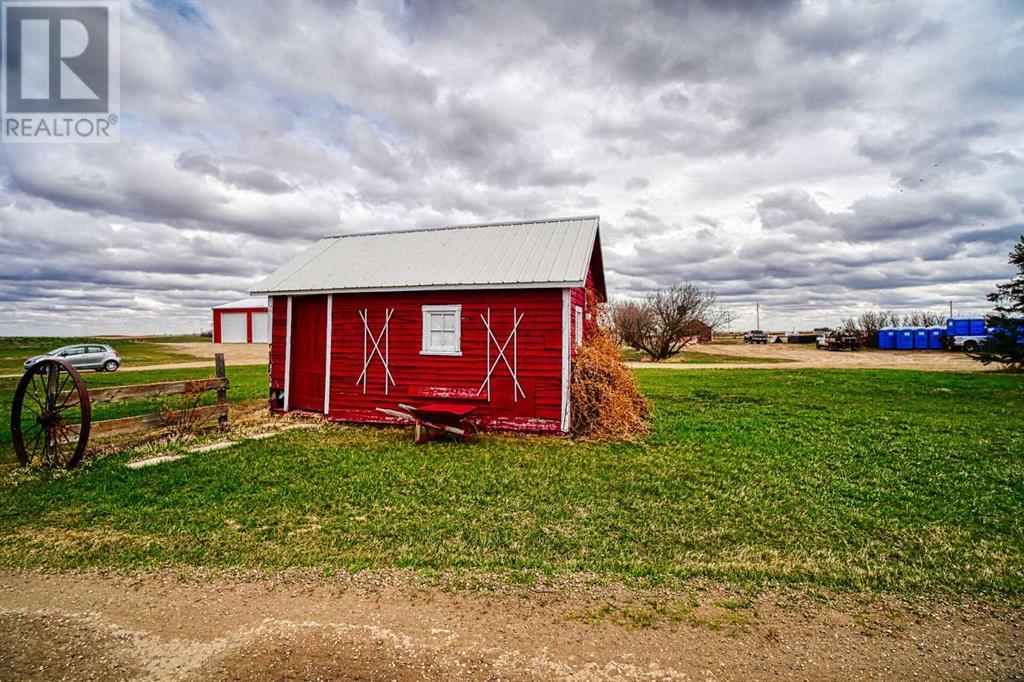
882	217
926	157
786	207
750	120
849	28
997	236
232	173
813	157
147	187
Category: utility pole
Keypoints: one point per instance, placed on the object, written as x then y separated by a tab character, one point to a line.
951	308
757	307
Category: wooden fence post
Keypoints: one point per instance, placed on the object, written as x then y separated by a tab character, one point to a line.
222	393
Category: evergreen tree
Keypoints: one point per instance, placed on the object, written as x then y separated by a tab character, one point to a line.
1006	346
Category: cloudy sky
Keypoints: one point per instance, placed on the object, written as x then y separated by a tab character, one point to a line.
816	158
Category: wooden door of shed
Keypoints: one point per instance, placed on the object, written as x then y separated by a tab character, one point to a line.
308	353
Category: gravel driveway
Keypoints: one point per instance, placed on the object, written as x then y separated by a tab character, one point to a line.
801	356
164	626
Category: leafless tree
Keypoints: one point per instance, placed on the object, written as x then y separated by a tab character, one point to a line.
666	320
924	318
868	323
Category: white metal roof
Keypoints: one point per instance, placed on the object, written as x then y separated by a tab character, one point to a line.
251	302
538	253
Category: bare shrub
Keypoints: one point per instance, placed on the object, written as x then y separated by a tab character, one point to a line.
182	416
606	403
666	321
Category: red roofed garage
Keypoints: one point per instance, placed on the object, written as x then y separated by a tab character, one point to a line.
242	321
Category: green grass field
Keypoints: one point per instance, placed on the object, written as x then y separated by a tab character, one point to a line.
135	351
865	480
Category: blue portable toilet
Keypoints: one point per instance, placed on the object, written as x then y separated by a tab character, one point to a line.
976	327
905	339
958	327
935	335
921	338
887	338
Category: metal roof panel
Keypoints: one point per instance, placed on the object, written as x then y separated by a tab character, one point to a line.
530	253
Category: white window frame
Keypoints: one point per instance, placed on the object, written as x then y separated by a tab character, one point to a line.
455	310
578	320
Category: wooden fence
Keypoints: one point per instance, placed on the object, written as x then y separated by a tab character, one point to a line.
197	415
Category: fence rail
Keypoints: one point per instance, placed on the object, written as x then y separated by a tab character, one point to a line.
146	422
163	389
115	394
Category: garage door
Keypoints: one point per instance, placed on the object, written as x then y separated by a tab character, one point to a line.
233	327
259	327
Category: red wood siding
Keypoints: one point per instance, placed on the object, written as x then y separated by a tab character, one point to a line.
278	340
702	332
578	297
421	379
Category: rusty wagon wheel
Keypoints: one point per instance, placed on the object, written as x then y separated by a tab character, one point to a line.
50	415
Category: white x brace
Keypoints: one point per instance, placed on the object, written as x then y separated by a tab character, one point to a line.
384	357
513	368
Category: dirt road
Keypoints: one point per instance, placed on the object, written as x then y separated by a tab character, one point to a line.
234	354
800	356
163	626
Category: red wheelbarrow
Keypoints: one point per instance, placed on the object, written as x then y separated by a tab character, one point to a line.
437	419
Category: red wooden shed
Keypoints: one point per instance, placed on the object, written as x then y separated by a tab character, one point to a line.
484	315
242	321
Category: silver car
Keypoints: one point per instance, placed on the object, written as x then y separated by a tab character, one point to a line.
95	356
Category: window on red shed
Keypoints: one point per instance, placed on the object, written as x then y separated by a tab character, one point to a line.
442	330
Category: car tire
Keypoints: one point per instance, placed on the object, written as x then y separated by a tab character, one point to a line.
971	346
110	366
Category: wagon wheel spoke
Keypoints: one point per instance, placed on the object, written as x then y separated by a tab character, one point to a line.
64	446
36	442
62	383
33	432
28	426
65	405
68	396
35	395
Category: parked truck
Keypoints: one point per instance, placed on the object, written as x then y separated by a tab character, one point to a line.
838	340
967	334
755	336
